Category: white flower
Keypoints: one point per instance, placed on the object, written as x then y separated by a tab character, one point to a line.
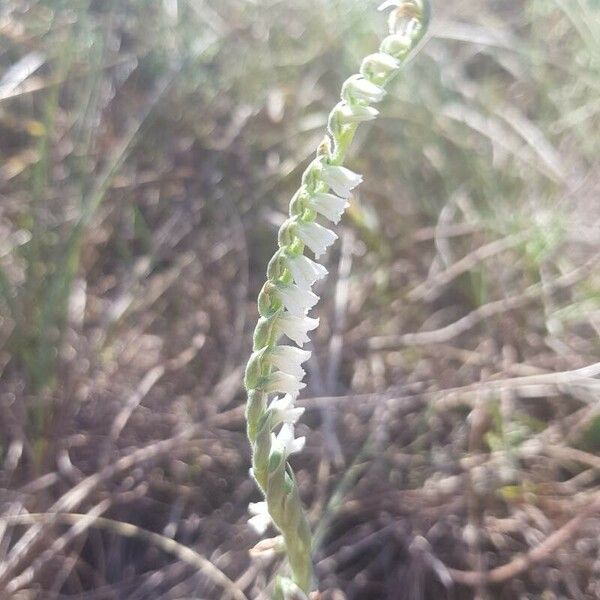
330	206
285	442
296	328
357	113
261	519
284	383
297	300
289	359
316	237
359	88
341	179
305	271
284	411
381	63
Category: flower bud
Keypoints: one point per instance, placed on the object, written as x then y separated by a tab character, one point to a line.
397	45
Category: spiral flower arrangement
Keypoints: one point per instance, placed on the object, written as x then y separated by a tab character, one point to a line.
274	372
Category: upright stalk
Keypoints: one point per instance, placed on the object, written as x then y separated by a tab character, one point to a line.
286	297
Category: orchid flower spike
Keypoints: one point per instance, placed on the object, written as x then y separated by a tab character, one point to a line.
275	372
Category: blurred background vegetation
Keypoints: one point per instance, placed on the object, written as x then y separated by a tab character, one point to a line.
148	152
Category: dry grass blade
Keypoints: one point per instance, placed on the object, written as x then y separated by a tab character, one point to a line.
538	554
169	545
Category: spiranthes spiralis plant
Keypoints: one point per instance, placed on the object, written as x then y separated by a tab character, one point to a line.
286	297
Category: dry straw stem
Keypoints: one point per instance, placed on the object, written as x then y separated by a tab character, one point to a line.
486	311
183	553
538	554
75	496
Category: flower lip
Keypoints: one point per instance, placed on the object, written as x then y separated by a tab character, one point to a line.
296	299
341	179
296	328
304	270
357	113
284	383
316	237
285	442
284	410
332	207
289	359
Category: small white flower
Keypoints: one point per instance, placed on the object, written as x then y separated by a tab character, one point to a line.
296	328
289	359
261	519
381	63
316	237
305	271
357	113
285	442
341	179
297	300
284	411
330	206
359	88
284	383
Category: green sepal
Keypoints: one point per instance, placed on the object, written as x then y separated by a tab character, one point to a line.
276	489
265	332
287	234
262	450
298	202
255	408
397	45
334	123
312	175
268	300
276	266
254	369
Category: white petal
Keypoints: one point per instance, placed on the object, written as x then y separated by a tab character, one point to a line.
382	62
357	113
389	4
258	508
297	300
305	271
284	383
341	179
284	410
316	237
289	359
296	328
285	442
261	519
297	445
330	206
359	88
